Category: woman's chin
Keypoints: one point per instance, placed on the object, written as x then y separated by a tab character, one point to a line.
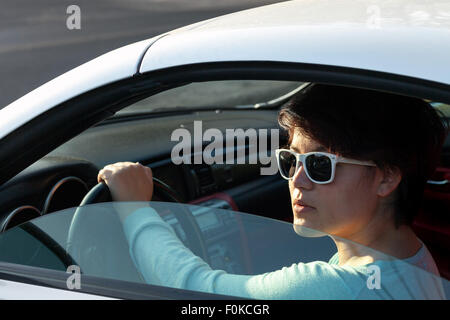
307	232
304	225
305	220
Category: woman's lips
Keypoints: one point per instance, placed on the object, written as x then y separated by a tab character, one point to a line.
302	207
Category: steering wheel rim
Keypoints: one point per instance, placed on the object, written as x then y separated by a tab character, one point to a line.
101	193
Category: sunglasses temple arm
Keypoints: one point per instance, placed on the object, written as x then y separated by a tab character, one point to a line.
351	161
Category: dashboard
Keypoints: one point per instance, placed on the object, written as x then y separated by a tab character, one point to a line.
49	185
54	184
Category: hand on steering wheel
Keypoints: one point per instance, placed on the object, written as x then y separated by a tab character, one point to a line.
128	181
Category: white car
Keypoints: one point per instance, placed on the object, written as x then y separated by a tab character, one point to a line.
229	72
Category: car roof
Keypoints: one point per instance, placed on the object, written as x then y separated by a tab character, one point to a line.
401	37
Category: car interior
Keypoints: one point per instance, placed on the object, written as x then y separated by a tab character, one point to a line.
142	133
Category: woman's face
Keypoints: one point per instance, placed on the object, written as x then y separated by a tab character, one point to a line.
343	207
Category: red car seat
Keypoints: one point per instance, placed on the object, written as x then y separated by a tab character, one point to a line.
432	224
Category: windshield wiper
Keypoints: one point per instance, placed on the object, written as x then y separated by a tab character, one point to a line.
274	102
158	112
170	110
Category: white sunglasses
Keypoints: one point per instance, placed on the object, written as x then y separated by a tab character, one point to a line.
320	167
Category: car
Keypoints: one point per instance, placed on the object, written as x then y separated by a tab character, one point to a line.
199	106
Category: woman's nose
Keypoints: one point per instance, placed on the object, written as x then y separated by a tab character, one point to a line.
300	179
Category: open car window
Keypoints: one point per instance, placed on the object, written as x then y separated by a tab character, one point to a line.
114	241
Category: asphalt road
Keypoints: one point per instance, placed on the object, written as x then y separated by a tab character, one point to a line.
36	45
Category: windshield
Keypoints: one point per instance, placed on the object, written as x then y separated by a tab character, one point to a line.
215	95
209	250
235	94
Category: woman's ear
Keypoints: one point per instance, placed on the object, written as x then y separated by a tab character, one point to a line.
390	179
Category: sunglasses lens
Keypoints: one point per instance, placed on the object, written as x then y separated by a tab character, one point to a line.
319	167
287	163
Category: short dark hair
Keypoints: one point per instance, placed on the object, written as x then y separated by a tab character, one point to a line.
389	129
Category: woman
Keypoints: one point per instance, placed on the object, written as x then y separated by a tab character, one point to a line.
357	162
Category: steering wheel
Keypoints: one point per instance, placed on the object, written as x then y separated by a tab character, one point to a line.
105	259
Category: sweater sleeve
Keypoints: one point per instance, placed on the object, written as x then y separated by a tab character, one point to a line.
163	260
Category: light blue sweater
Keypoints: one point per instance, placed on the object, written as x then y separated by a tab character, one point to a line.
163	260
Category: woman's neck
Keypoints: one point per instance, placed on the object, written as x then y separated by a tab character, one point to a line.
376	244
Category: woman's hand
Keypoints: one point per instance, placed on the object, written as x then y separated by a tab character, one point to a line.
128	181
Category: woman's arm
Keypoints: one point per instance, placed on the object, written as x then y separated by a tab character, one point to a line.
164	260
